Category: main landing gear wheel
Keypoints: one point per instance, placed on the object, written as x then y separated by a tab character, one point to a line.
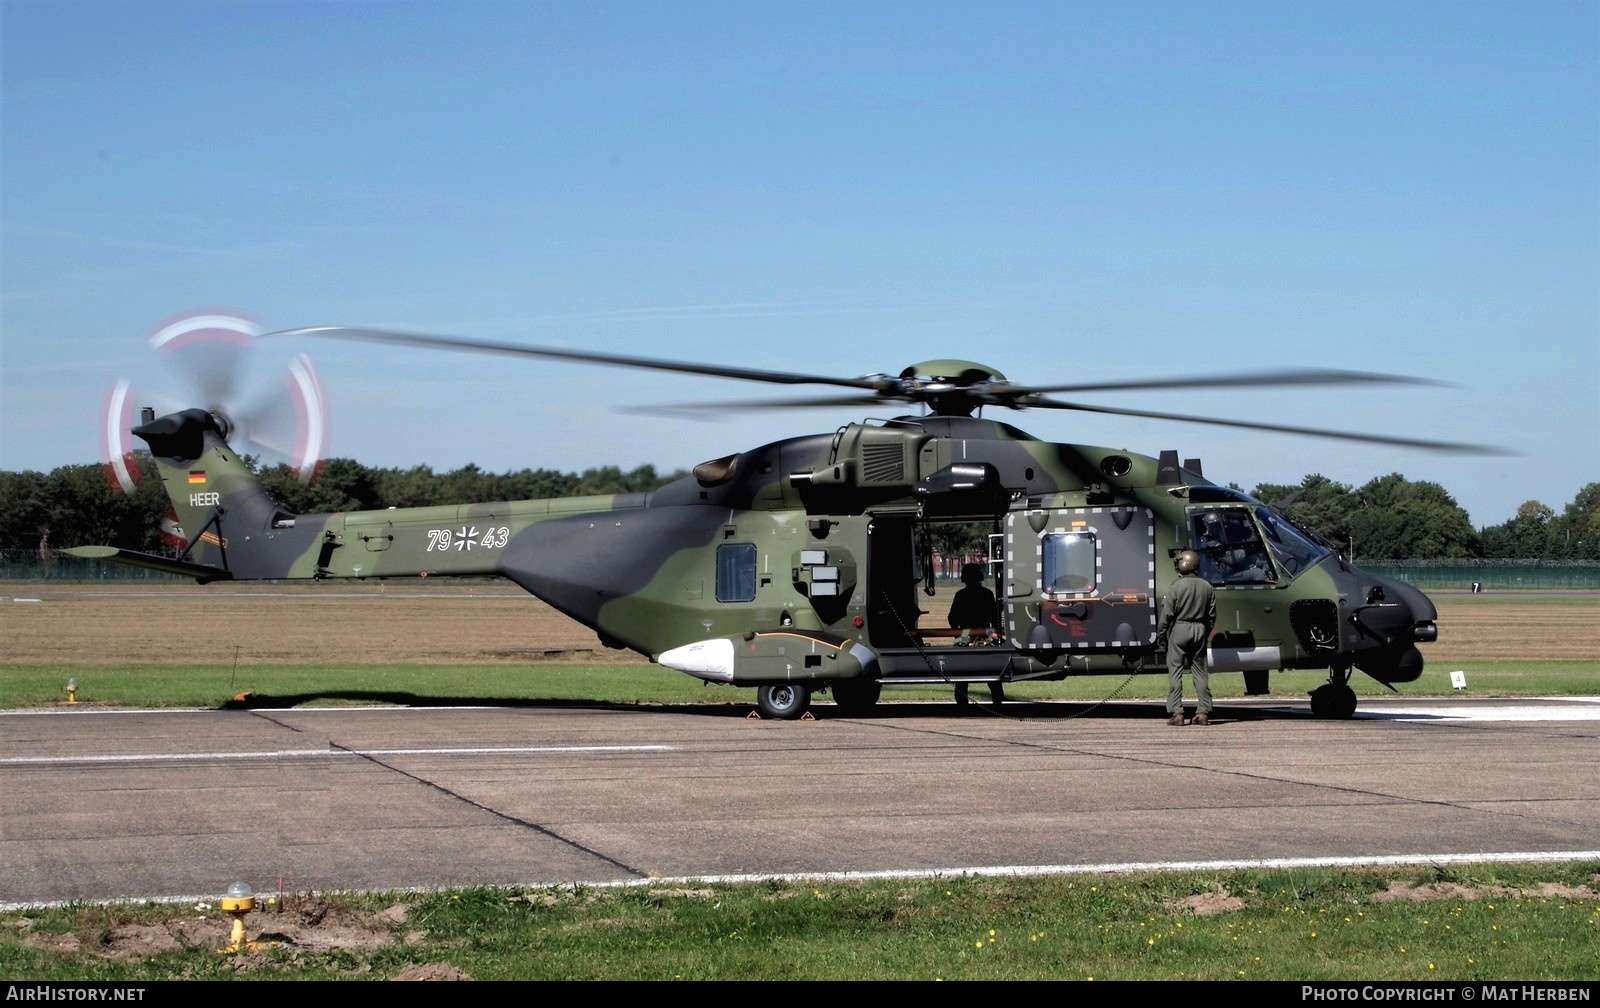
783	701
856	696
1335	701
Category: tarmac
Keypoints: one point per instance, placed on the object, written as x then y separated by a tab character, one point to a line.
106	804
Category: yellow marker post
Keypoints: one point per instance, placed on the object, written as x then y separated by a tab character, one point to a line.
239	901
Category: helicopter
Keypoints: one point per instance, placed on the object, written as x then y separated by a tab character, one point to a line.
799	567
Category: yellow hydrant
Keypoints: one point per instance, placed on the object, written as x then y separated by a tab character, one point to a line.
72	690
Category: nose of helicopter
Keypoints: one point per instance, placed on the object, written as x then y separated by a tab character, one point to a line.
1395	618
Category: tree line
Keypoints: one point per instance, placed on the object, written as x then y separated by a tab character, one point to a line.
1387	518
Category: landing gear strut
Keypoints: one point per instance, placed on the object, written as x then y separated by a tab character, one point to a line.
997	693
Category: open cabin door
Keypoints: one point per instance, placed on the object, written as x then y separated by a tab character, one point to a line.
1080	578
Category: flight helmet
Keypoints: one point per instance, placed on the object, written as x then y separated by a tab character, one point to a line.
1186	562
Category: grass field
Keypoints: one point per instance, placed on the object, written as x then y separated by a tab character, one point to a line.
1516	924
191	644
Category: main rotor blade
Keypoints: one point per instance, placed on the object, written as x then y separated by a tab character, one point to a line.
558	353
1444	446
695	410
884	389
1243	379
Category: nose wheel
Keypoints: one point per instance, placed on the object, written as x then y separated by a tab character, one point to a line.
1334	700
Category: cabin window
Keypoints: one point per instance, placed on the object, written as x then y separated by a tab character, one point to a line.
1069	563
736	572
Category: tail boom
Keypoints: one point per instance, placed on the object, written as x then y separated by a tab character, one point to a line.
234	529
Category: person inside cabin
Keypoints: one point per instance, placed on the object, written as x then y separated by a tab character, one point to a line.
1229	549
1244	558
973	608
975	613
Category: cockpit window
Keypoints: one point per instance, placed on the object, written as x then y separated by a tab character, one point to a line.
1231	550
1293	550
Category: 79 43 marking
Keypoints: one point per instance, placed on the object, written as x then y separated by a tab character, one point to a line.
465	538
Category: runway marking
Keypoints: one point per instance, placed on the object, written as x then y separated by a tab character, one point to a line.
299	753
1569	709
1562	708
954	873
1133	867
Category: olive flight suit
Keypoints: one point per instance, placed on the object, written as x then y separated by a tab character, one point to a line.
1188	615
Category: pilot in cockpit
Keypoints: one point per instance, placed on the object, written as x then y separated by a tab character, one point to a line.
1231	550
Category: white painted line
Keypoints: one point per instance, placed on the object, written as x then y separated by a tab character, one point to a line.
1142	866
956	873
314	754
1574	708
1507	712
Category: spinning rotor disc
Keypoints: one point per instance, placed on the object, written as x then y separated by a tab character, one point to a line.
213	355
955	388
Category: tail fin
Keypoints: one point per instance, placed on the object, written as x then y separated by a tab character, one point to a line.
225	517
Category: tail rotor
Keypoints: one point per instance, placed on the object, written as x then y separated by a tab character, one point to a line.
272	406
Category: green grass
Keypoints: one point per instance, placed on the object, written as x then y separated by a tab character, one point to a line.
1483	922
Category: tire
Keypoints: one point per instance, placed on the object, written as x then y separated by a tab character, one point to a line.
856	696
1333	701
783	701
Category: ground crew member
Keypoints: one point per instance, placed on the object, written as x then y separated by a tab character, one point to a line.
1188	615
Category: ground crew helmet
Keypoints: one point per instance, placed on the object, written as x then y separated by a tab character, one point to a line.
1186	562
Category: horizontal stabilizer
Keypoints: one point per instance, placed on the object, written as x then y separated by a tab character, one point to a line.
200	572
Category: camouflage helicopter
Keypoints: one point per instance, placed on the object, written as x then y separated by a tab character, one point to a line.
799	567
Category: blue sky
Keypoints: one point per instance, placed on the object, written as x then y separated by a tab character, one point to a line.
1068	192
